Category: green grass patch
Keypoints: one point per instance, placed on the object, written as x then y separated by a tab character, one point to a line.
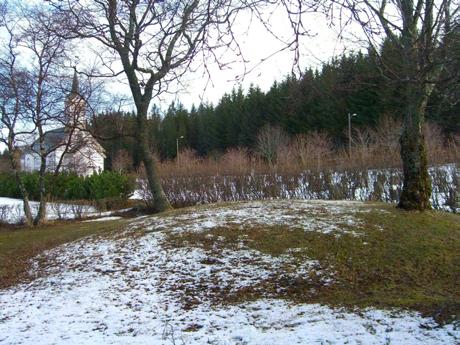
400	259
19	245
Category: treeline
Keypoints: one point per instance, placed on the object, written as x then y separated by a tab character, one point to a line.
318	101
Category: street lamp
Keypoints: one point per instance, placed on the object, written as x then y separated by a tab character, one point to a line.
349	132
177	147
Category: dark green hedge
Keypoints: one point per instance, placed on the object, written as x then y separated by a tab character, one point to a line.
68	186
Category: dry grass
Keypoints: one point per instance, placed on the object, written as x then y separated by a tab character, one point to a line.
399	260
371	149
403	260
19	245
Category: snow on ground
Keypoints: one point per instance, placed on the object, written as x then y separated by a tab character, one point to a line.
12	212
103	219
336	218
135	288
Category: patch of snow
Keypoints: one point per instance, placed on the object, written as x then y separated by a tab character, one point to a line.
103	219
337	217
139	289
11	210
137	195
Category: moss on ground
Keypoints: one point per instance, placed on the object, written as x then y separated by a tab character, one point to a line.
401	259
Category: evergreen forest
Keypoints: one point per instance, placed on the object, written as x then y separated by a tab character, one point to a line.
320	100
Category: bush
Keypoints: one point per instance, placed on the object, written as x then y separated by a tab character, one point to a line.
110	184
76	189
30	181
8	186
68	186
109	204
63	185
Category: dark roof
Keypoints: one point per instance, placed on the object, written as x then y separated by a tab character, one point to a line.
53	139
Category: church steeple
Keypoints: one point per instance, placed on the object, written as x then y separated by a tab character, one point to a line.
75	86
75	106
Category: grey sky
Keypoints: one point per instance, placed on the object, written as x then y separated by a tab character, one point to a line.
257	45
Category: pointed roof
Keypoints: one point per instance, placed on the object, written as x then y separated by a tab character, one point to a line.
52	139
75	84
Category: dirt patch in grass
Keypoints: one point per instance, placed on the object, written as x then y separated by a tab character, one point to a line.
400	259
19	245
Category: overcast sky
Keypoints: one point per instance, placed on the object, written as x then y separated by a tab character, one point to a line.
257	44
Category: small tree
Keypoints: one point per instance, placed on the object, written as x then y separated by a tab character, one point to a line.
270	140
49	53
313	149
122	161
14	90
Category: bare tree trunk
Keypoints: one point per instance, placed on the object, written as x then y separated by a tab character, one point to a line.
416	190
159	201
41	214
417	185
22	189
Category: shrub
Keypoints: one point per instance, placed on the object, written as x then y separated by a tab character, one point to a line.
64	185
30	181
68	186
76	189
110	184
109	204
8	186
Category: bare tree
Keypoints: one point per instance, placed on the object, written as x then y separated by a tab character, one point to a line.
13	95
153	43
362	140
419	32
122	161
312	149
32	96
270	141
49	53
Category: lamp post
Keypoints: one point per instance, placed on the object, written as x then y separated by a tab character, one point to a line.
177	147
349	132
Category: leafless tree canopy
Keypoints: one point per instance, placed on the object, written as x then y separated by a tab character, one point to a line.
153	43
426	26
159	40
34	84
270	141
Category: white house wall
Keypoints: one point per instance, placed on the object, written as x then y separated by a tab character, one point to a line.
28	161
85	162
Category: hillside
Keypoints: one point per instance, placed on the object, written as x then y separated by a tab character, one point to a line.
272	272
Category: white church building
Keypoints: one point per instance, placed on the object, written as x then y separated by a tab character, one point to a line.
71	148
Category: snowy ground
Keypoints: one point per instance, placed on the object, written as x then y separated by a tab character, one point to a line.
135	288
12	212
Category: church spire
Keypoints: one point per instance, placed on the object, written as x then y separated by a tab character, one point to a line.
75	105
75	86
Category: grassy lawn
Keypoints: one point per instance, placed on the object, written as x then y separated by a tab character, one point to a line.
387	258
400	259
19	245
